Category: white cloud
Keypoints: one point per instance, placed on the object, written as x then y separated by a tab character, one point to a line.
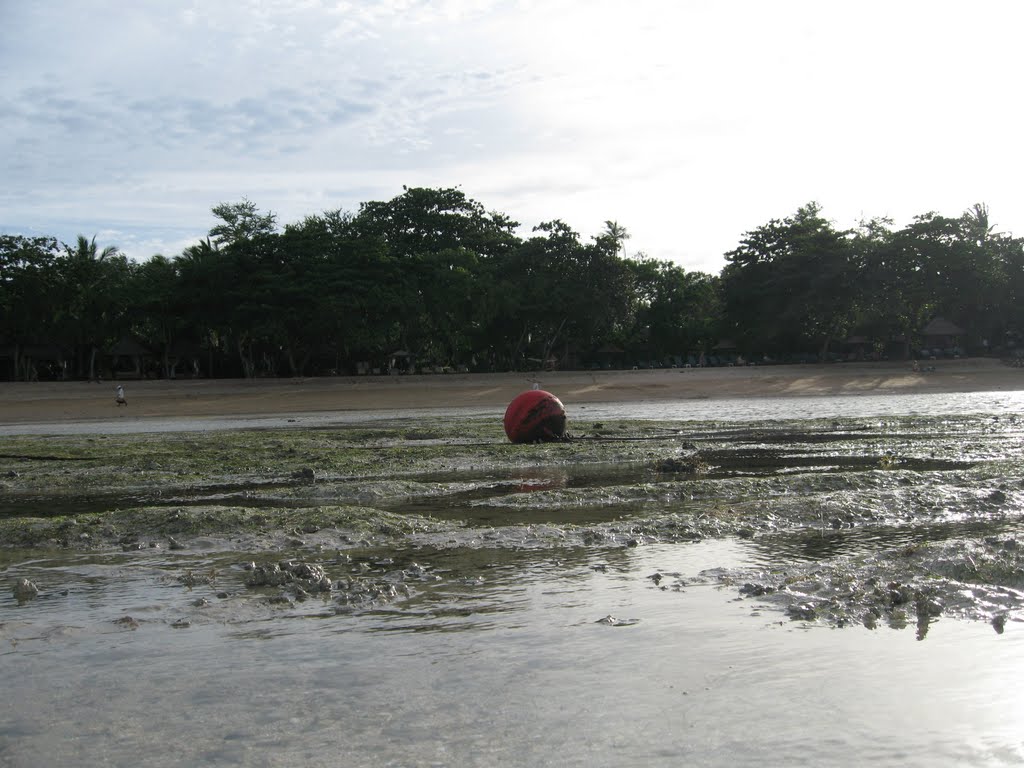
687	123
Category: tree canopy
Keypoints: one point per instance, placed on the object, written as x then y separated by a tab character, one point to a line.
433	280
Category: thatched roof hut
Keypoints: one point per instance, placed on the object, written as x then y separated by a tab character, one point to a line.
941	334
942	327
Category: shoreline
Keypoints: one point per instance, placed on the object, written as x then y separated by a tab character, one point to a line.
154	401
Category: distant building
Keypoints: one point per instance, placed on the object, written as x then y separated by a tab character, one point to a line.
941	336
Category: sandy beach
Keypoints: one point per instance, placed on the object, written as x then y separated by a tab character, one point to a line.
77	402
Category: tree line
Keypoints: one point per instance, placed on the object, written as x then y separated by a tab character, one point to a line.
432	279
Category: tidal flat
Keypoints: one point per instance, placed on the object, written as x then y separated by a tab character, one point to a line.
844	527
896	520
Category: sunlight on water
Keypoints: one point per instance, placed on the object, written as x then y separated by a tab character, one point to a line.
779	408
753	409
514	668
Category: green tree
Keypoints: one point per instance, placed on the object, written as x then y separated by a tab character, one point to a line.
676	311
351	305
791	284
559	295
239	222
934	267
256	320
204	279
437	241
93	309
27	279
333	297
158	316
246	272
1009	322
617	235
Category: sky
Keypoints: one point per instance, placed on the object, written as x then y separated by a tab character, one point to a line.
688	123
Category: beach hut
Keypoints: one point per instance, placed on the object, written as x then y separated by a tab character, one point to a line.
607	357
127	358
941	337
856	348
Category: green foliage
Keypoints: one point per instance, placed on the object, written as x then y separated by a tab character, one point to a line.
790	284
27	276
155	293
433	274
796	281
92	307
675	312
436	242
239	222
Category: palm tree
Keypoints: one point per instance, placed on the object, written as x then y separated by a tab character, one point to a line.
89	296
617	234
86	251
206	277
977	221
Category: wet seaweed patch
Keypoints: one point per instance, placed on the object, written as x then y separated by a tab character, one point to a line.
914	585
693	464
254	528
320	585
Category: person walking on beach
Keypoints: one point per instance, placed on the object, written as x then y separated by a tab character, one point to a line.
120	396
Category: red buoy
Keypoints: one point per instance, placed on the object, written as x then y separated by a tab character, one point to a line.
535	416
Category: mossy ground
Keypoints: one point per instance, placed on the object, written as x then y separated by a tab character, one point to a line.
40	476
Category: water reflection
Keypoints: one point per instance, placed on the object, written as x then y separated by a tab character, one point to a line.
808	545
537	681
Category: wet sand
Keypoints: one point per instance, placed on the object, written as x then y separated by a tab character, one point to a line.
82	403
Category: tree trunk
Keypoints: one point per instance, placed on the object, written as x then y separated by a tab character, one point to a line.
551	344
248	366
298	367
514	357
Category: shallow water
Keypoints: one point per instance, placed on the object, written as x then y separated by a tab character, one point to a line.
498	650
510	670
727	409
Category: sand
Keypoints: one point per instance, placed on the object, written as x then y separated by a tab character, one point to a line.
83	403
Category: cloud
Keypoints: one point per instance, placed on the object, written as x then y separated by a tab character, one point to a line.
689	124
